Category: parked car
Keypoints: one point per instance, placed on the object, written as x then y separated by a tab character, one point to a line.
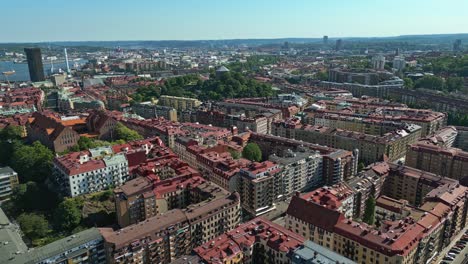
447	258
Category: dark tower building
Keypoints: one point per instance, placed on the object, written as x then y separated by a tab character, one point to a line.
325	40
36	70
457	45
339	44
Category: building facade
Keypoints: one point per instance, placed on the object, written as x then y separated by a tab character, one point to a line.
36	69
166	237
179	103
8	181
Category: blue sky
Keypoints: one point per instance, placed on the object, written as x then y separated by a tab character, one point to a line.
54	20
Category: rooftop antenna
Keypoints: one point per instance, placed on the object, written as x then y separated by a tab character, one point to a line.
66	60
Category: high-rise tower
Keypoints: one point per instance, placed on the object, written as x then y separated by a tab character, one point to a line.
36	69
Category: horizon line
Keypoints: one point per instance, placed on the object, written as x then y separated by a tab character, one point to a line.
228	39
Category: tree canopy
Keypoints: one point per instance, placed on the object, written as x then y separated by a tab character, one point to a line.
32	163
232	85
67	216
34	226
25	197
447	65
252	152
125	133
11	132
430	82
369	213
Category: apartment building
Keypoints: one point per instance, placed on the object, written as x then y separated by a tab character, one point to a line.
93	170
337	164
368	183
258	124
151	110
357	89
461	140
339	197
256	241
378	120
8	181
142	198
413	238
217	165
387	208
357	124
168	131
179	103
21	100
84	247
411	184
252	110
258	187
300	170
436	154
288	104
371	148
166	237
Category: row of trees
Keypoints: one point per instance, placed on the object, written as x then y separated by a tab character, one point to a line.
447	66
433	82
457	119
253	63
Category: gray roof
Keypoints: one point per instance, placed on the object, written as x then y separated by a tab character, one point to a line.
11	243
58	247
6	171
312	253
115	160
92	82
222	69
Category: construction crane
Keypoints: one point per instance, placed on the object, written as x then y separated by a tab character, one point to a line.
6	74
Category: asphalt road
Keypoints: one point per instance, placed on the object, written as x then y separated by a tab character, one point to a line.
460	258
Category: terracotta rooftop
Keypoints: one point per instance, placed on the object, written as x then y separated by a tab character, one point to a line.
227	246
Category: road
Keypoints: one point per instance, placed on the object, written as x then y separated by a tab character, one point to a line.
461	259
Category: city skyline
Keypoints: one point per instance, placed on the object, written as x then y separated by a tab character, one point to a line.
212	20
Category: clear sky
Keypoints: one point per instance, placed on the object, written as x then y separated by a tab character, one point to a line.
82	20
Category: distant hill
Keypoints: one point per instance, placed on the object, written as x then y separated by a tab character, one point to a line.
152	44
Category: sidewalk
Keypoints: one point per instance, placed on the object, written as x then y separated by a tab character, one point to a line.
460	257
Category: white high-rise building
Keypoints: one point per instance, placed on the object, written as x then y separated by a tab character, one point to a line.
399	63
378	62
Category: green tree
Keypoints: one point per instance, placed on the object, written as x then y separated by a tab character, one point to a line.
32	163
369	213
34	226
234	154
25	197
361	166
454	84
252	152
322	76
125	133
7	147
408	83
430	82
11	133
67	216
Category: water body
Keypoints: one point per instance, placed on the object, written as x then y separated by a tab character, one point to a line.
22	71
